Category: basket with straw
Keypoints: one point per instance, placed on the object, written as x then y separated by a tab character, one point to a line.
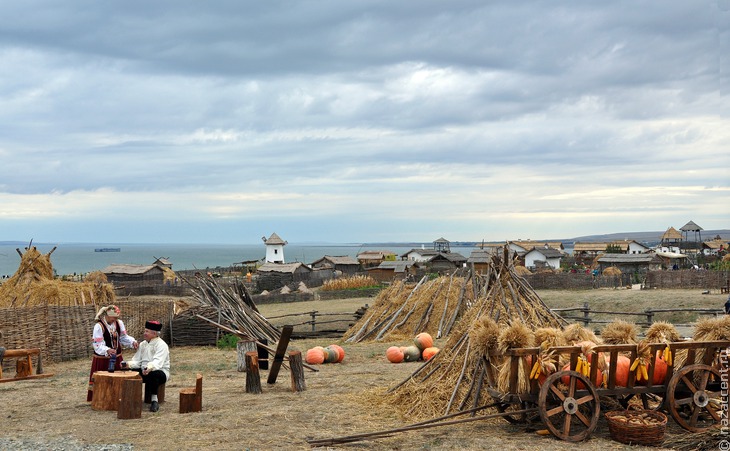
637	427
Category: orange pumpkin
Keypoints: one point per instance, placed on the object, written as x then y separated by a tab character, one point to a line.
660	371
429	352
394	354
423	341
315	356
623	365
340	352
579	385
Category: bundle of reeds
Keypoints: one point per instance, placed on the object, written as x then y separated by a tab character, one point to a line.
236	307
454	379
517	335
403	310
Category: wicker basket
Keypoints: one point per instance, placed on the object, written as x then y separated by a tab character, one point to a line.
622	430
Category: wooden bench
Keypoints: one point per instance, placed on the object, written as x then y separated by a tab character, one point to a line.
24	364
191	398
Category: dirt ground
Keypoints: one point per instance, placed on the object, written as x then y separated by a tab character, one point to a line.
335	403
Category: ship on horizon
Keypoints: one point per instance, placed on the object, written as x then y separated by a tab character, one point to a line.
108	249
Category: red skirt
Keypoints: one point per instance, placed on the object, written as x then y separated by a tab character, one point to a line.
100	363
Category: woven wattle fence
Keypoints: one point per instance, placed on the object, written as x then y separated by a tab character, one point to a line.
64	332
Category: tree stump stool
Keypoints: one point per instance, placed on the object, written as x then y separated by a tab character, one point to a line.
108	388
191	398
148	394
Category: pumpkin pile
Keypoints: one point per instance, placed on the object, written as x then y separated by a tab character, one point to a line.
319	355
422	349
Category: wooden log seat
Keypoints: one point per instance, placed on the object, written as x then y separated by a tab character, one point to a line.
108	388
148	394
191	398
24	364
130	401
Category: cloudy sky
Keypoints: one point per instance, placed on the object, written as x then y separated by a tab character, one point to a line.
330	121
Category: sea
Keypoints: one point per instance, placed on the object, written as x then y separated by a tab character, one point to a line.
82	258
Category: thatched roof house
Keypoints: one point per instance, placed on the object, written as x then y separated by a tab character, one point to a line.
345	264
631	263
271	276
124	273
369	259
388	271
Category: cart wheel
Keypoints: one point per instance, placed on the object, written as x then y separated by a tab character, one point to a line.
694	397
570	414
520	418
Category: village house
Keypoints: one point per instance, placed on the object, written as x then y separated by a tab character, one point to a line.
522	247
371	259
714	247
126	273
586	249
543	257
271	276
631	263
346	265
389	271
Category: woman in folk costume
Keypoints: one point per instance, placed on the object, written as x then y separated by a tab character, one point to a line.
108	338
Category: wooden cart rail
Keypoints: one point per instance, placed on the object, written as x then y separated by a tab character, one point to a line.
609	386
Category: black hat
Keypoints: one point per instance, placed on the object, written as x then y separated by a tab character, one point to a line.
153	325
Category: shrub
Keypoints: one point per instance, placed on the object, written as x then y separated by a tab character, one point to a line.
227	341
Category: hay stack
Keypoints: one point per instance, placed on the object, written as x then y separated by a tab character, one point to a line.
33	284
404	310
708	329
575	333
455	379
612	271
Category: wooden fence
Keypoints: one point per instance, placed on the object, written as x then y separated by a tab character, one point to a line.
586	315
320	324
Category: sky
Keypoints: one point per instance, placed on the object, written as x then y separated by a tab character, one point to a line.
365	121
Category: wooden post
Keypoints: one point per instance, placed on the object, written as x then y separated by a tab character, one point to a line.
586	314
279	354
253	380
243	347
314	321
649	317
130	402
297	371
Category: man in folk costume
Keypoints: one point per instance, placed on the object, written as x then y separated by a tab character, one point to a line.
108	338
152	361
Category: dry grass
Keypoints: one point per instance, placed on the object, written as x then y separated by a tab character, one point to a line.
337	402
348	283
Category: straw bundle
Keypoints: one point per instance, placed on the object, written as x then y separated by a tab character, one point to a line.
548	337
576	333
708	329
454	379
33	284
619	333
517	335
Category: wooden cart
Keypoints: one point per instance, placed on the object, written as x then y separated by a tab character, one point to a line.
568	403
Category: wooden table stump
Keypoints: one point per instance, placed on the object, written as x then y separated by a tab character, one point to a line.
130	402
108	388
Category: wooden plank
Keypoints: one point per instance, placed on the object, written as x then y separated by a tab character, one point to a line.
34	376
279	354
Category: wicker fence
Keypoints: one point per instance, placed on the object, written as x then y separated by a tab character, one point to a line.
64	332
